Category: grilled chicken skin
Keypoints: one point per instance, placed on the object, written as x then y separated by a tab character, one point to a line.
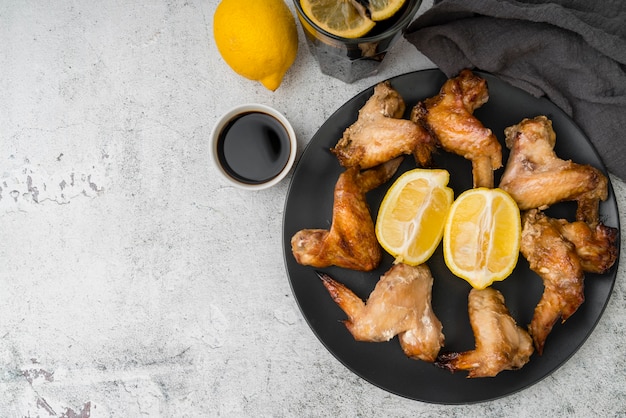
351	241
380	134
449	116
500	343
555	260
561	252
400	304
537	178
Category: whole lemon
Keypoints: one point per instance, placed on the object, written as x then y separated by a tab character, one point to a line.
258	39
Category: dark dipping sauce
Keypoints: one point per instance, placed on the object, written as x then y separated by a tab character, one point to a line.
253	147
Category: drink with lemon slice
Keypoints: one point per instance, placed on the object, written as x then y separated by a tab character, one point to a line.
350	38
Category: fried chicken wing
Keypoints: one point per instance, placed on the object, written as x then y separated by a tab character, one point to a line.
351	241
449	115
595	247
555	260
400	304
500	343
536	178
379	134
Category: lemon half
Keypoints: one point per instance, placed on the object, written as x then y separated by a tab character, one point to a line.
482	236
412	215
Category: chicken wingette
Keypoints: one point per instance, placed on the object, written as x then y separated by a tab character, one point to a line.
500	343
380	134
537	178
351	240
449	116
400	304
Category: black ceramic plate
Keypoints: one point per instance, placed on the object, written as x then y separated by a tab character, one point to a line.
309	205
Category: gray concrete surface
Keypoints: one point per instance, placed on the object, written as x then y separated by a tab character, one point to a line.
134	281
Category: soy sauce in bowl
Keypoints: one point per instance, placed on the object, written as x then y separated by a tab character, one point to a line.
254	146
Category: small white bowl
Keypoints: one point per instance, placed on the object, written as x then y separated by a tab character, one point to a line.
253	146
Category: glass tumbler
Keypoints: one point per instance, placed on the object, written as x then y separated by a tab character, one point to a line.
349	59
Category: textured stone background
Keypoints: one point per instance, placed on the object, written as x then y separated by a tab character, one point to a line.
133	280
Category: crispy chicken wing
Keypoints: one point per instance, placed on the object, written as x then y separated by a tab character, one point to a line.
449	115
536	178
500	343
400	304
596	247
351	241
554	259
379	134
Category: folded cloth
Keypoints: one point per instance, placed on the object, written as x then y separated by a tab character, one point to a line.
571	51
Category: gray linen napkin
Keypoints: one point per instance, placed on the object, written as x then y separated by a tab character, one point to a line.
571	51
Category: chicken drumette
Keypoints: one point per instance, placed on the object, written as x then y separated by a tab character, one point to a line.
379	134
500	343
400	304
449	116
351	241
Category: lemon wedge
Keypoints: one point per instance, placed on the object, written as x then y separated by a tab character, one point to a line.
412	215
482	236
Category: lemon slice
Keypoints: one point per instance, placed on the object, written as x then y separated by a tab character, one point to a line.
345	18
412	215
482	236
384	9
